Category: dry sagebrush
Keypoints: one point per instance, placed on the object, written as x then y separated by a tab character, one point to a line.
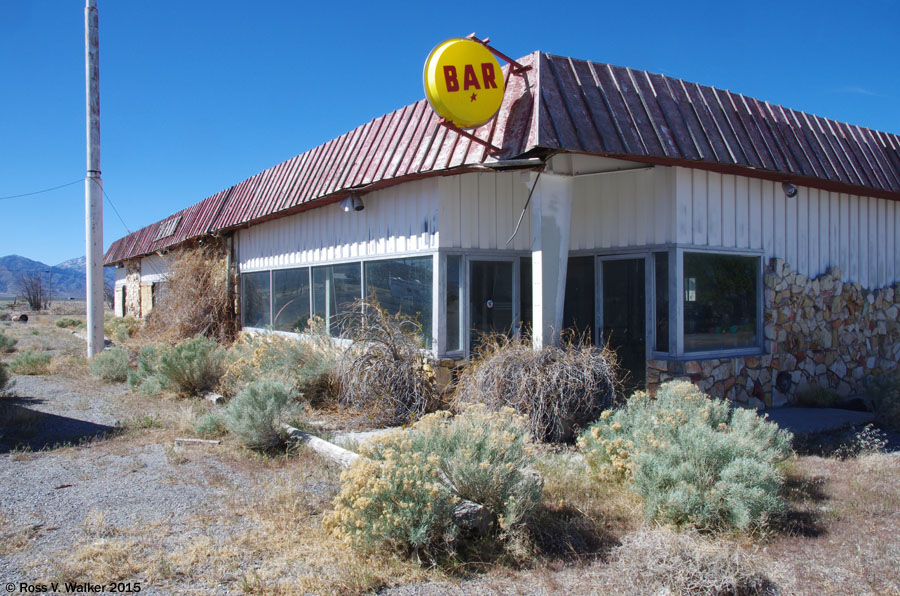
401	494
301	364
386	369
195	301
694	460
558	388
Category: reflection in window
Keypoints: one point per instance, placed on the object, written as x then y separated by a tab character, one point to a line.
335	287
720	301
255	307
661	270
290	299
578	307
526	304
454	337
403	286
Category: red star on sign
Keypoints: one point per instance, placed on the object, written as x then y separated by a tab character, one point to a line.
474	97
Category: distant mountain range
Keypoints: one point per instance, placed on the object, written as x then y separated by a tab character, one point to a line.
68	276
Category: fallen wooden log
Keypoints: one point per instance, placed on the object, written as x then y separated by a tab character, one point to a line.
201	441
344	457
468	515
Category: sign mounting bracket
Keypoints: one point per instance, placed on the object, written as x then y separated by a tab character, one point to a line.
492	149
517	67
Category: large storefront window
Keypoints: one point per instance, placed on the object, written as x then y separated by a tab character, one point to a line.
720	294
335	287
661	279
579	308
454	303
255	307
290	299
403	286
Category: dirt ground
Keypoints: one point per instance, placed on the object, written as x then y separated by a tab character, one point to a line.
93	488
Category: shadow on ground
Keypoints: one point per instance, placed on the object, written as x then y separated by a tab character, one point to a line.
802	516
24	428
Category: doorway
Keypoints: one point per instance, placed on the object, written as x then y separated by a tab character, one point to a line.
623	323
490	299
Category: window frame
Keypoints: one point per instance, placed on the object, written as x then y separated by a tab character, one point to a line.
756	349
360	261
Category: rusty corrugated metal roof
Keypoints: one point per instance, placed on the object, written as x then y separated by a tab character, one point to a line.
619	112
561	104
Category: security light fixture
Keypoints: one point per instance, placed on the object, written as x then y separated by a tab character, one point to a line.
352	202
790	191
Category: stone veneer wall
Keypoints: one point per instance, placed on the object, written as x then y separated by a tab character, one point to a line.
818	333
133	288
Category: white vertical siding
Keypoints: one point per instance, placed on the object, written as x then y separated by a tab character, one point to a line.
623	209
813	231
397	220
481	210
153	268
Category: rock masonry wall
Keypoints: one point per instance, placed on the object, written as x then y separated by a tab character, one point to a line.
133	288
820	332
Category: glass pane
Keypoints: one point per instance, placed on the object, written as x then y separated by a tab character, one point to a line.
624	317
290	299
720	300
334	288
403	286
454	337
526	302
255	299
578	308
662	301
490	298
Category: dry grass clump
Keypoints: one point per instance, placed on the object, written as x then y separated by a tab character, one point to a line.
69	323
664	562
386	369
120	329
4	376
195	301
30	362
7	343
559	388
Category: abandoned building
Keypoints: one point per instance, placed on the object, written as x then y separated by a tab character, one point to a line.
701	233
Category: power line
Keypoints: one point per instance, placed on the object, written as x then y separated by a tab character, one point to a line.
37	192
111	204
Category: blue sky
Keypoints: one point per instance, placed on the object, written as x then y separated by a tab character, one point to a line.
198	95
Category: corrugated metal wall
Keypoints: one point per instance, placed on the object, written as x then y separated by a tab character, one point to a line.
622	209
401	219
481	210
813	231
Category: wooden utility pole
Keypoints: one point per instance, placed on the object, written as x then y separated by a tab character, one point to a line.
93	184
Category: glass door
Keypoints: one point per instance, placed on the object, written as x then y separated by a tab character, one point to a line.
623	321
490	299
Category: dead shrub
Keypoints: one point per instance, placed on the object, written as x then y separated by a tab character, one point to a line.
663	562
195	301
560	389
386	368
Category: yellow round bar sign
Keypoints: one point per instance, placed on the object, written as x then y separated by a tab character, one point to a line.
463	82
